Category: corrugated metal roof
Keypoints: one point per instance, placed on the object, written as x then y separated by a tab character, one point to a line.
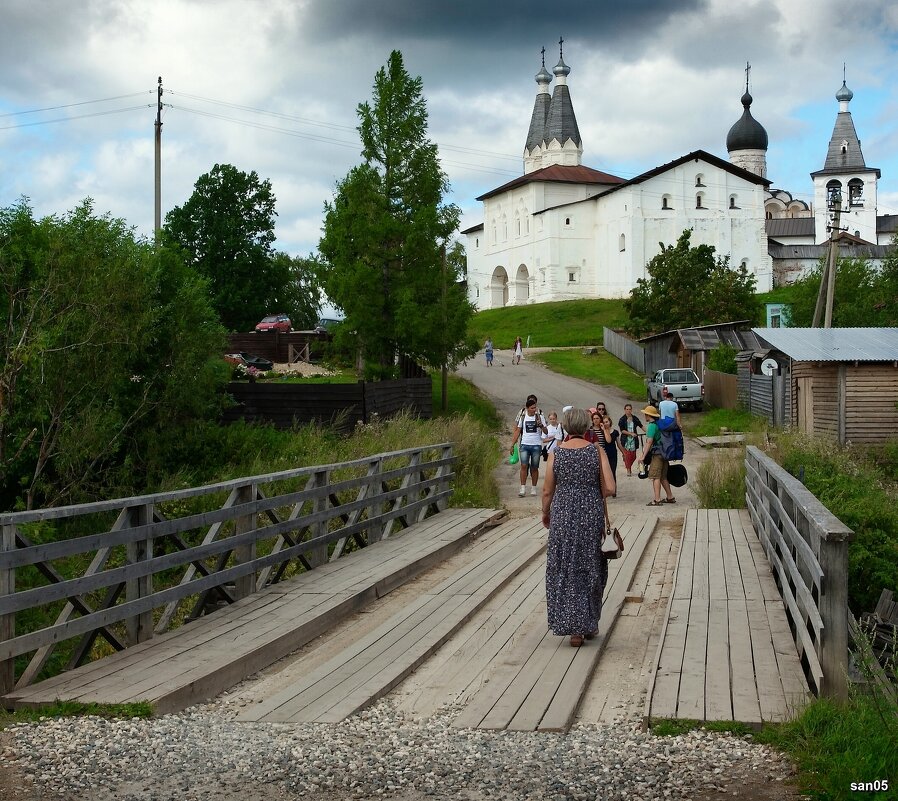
833	344
790	226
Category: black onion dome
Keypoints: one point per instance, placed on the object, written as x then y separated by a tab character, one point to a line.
747	133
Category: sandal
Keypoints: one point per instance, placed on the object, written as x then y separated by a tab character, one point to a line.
669	500
576	640
592	635
655	503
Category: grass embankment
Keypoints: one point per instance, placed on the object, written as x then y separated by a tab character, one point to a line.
549	325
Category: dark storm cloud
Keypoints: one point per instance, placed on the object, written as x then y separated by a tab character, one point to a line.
473	25
480	22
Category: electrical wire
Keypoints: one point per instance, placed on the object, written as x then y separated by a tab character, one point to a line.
73	105
76	117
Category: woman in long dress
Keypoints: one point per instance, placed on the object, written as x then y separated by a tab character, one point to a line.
574	512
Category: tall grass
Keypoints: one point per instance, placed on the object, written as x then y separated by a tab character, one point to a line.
836	745
719	482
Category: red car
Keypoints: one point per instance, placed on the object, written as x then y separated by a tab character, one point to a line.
275	322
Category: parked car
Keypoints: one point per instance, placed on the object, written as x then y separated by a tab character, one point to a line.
248	360
327	324
275	322
682	384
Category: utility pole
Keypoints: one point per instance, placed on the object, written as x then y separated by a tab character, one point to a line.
444	375
158	183
827	291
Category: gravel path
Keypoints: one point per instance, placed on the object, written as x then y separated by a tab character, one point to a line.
204	753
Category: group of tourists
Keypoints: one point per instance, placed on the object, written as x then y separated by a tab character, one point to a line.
581	455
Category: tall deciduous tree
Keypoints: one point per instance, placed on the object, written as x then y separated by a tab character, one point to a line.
227	229
690	286
383	235
106	340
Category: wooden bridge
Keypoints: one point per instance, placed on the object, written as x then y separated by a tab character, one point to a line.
192	599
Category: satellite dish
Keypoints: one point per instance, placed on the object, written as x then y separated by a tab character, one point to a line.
769	366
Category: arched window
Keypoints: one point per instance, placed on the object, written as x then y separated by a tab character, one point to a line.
477	243
665	202
699	180
857	234
494	233
699	200
517	222
856	192
622	243
567	220
834	193
733	202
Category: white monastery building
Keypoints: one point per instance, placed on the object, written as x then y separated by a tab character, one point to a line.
563	230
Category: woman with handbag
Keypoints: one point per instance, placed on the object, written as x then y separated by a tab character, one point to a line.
578	479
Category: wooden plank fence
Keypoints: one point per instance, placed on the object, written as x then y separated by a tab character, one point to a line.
807	547
339	405
720	389
118	572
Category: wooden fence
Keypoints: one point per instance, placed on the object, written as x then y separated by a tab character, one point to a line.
340	405
720	389
280	347
807	547
124	570
628	351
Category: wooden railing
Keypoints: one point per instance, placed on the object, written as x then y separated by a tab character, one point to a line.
127	569
807	547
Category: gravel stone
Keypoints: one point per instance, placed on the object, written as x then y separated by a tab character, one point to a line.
205	752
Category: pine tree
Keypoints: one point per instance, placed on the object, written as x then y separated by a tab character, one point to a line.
384	233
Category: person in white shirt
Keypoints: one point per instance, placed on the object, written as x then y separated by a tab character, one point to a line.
554	433
530	428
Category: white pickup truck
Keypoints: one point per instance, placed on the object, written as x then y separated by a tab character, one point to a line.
682	384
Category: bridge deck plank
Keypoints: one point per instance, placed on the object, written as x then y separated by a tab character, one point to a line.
540	680
202	658
727	654
367	670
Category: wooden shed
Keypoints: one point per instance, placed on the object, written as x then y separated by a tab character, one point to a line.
837	382
689	347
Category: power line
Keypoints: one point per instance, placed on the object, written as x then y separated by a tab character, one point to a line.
72	105
75	117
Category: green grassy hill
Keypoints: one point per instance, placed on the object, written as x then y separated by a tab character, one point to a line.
567	323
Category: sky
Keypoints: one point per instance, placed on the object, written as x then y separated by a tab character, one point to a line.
273	85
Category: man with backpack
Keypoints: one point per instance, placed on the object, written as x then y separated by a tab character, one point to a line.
660	457
530	428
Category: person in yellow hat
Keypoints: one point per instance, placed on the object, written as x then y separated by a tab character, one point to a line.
658	464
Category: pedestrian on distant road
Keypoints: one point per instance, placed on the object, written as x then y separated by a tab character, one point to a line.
658	464
578	479
629	424
488	350
518	352
530	428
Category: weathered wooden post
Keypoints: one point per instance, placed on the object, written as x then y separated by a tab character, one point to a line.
139	627
320	479
7	621
245	585
833	605
375	500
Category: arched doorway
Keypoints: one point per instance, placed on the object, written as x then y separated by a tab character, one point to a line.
498	288
521	285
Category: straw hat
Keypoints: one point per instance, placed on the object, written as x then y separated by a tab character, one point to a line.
651	411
